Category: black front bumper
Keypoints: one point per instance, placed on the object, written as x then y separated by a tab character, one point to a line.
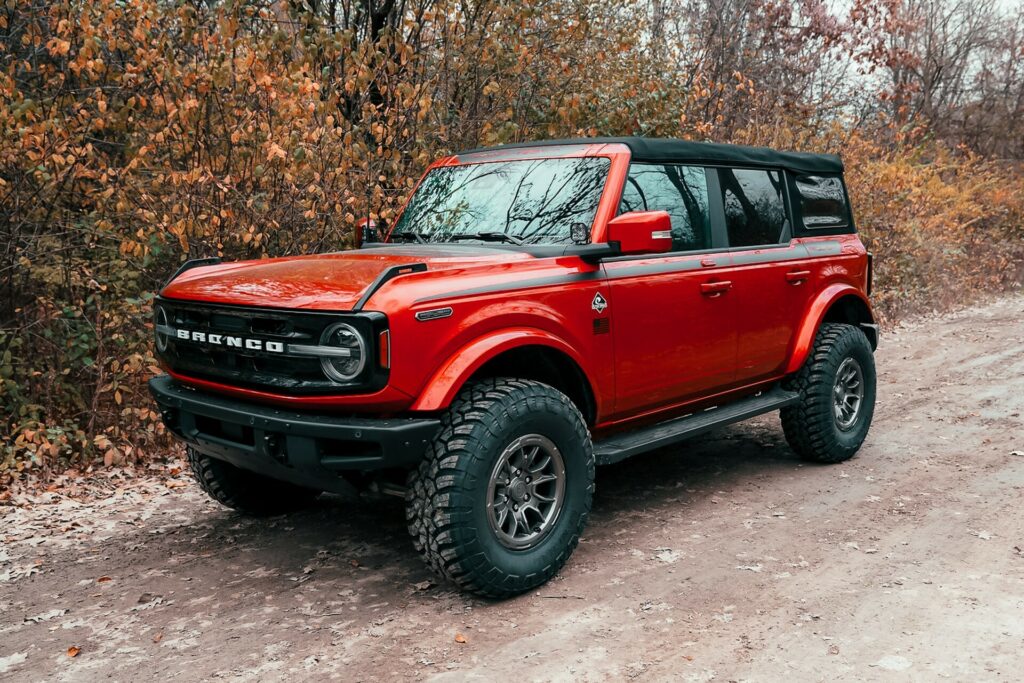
308	449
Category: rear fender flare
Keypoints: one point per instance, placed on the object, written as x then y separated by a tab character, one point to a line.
442	387
813	317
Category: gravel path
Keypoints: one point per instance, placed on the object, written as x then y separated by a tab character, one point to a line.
726	559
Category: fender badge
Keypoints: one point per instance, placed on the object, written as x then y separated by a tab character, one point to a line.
434	314
599	303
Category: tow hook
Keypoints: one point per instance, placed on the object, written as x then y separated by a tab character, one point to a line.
274	449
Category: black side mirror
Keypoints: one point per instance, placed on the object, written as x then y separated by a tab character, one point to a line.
369	233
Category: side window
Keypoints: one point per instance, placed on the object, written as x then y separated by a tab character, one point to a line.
822	201
755	207
680	190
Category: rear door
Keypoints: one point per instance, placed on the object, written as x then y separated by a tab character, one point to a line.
772	273
672	315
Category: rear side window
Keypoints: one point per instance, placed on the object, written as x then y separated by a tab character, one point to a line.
755	208
682	191
822	201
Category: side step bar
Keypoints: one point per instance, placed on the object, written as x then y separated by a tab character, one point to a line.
625	445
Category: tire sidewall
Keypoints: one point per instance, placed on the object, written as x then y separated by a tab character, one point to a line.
853	345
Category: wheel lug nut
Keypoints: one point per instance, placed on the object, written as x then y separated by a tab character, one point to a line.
515	507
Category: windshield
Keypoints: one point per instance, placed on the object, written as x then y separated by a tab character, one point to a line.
529	201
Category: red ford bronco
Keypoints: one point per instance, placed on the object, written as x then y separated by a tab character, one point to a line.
536	310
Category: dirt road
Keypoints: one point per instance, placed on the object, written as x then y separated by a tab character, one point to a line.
726	559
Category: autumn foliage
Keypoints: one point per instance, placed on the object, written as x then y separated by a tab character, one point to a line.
138	133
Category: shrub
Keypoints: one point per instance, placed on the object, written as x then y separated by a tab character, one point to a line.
136	134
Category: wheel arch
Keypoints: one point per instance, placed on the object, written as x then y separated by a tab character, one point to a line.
524	353
838	303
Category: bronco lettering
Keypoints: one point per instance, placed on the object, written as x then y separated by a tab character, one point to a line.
234	342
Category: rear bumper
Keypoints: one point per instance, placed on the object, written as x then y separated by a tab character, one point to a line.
308	449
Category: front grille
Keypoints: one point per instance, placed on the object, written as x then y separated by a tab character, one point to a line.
260	368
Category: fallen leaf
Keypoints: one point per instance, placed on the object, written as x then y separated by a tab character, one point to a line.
158	637
893	663
423	585
46	616
103	579
666	555
6	663
73	651
459	638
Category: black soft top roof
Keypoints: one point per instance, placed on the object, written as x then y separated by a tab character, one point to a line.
665	150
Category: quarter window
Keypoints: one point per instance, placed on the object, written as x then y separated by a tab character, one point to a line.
682	191
755	209
822	201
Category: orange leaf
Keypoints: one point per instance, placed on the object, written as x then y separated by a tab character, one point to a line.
73	651
459	638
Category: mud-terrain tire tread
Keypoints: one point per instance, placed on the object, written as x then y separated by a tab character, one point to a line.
809	425
456	454
247	492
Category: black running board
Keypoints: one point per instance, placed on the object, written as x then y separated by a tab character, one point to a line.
625	445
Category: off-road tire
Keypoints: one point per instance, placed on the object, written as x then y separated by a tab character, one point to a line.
446	495
245	491
810	426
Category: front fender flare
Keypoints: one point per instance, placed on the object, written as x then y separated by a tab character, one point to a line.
812	319
444	384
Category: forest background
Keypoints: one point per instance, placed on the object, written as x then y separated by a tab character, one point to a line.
137	133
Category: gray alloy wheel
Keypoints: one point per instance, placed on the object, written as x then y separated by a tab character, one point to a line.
526	491
848	394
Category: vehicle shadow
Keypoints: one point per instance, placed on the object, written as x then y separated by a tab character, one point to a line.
721	460
342	556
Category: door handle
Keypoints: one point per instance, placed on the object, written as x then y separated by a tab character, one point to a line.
797	276
715	288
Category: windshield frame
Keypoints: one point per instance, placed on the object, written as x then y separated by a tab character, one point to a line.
607	206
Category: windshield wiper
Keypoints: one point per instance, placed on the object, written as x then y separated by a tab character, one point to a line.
410	235
488	236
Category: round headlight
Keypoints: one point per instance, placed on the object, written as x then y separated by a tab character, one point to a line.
160	318
348	362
